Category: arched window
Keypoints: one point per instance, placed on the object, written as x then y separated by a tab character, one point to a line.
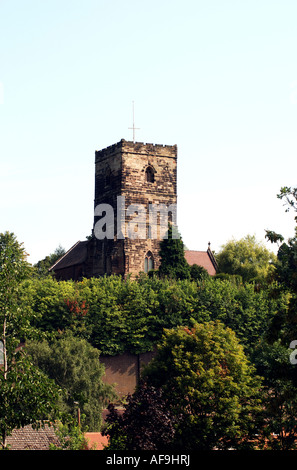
149	175
148	262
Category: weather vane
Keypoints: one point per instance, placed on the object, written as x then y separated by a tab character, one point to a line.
133	128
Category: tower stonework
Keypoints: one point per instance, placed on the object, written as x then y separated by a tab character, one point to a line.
141	174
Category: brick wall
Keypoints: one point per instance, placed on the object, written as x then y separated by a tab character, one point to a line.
124	370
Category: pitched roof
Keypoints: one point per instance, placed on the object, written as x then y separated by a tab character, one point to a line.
95	440
202	258
76	255
27	438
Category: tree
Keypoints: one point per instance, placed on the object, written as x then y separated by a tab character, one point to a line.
172	253
41	268
75	367
279	395
27	396
198	273
208	381
272	358
284	324
286	263
70	436
289	194
247	258
146	424
123	315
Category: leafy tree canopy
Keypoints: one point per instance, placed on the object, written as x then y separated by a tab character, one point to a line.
75	367
27	396
284	325
116	315
247	258
279	396
172	252
208	381
41	268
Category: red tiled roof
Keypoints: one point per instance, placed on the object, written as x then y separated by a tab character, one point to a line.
202	258
95	440
27	438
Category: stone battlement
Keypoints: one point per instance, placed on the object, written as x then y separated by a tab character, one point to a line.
138	147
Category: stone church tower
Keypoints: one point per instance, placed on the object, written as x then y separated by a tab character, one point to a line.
129	175
126	174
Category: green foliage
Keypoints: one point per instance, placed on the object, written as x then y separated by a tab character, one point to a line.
287	264
41	268
15	312
289	194
71	437
172	254
27	395
279	395
246	258
208	381
285	323
197	273
75	367
272	357
116	315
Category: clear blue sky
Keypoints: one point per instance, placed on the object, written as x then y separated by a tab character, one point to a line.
218	78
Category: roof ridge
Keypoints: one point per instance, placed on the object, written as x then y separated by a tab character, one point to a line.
212	258
63	256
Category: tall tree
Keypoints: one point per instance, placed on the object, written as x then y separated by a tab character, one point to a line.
247	258
41	268
172	252
284	326
75	367
208	381
287	250
279	395
27	396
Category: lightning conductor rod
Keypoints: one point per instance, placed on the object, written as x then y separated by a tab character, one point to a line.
133	128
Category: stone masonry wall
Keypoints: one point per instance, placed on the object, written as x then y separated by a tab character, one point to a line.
121	171
136	159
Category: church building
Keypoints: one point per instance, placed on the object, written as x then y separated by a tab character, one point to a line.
131	179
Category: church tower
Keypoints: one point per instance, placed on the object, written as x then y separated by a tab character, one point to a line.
131	178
